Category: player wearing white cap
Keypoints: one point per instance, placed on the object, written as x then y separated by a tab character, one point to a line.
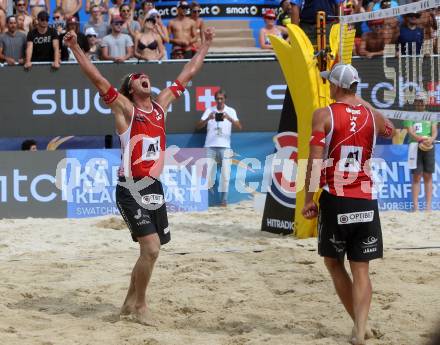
341	146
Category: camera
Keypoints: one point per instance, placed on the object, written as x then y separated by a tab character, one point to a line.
219	117
152	20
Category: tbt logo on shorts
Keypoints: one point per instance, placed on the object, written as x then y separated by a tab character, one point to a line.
355	217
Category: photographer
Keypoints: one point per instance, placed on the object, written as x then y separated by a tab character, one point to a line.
218	121
59	22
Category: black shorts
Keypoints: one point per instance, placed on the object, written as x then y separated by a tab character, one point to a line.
145	211
425	162
349	225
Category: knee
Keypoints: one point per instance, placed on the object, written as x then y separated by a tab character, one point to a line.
417	178
151	253
332	264
427	177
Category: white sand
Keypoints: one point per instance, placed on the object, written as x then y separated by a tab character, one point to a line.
63	282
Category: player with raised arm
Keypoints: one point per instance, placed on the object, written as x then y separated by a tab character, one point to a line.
140	124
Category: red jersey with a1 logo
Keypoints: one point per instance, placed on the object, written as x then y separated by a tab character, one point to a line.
348	148
143	143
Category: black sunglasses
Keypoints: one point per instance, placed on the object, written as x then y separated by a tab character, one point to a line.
196	11
56	17
19	5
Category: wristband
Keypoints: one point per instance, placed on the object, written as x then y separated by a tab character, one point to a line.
110	96
177	88
317	138
388	132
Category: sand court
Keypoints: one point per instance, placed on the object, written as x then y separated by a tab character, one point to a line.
219	281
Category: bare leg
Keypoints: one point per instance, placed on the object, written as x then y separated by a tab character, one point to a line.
342	283
427	180
344	289
415	190
362	292
135	302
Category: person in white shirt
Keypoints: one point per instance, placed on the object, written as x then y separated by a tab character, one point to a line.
219	121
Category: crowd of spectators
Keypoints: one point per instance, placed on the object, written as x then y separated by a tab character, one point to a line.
114	33
120	32
405	33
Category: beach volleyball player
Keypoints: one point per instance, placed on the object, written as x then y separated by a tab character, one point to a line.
342	143
140	124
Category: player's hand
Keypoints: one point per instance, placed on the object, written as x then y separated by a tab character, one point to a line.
211	116
70	39
428	141
209	35
310	210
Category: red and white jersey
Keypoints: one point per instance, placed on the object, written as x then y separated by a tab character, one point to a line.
348	148
143	143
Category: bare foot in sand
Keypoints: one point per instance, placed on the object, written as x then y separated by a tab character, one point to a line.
127	309
369	334
143	316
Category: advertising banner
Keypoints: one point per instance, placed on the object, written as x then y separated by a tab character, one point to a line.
44	103
82	183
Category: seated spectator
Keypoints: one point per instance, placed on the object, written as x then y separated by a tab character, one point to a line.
73	24
92	38
12	43
159	26
96	22
37	6
377	5
29	145
117	47
70	7
59	21
20	9
428	23
270	29
200	24
130	26
373	42
148	44
42	43
183	31
284	15
114	10
101	4
410	35
390	29
178	54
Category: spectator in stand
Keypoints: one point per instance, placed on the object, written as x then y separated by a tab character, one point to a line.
373	42
20	23
178	54
42	43
390	30
12	43
284	15
70	7
196	10
146	7
117	47
428	23
72	23
59	21
114	10
20	8
183	30
148	44
29	145
97	22
304	14
130	26
270	29
410	35
159	26
3	12
92	38
36	6
101	4
377	5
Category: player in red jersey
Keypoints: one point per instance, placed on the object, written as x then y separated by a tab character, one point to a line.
140	124
341	146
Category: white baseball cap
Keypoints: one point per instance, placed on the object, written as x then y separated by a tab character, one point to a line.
342	75
153	13
91	32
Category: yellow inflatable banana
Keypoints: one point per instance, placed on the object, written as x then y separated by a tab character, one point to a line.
309	92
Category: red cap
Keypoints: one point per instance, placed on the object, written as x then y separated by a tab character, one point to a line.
270	14
376	22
